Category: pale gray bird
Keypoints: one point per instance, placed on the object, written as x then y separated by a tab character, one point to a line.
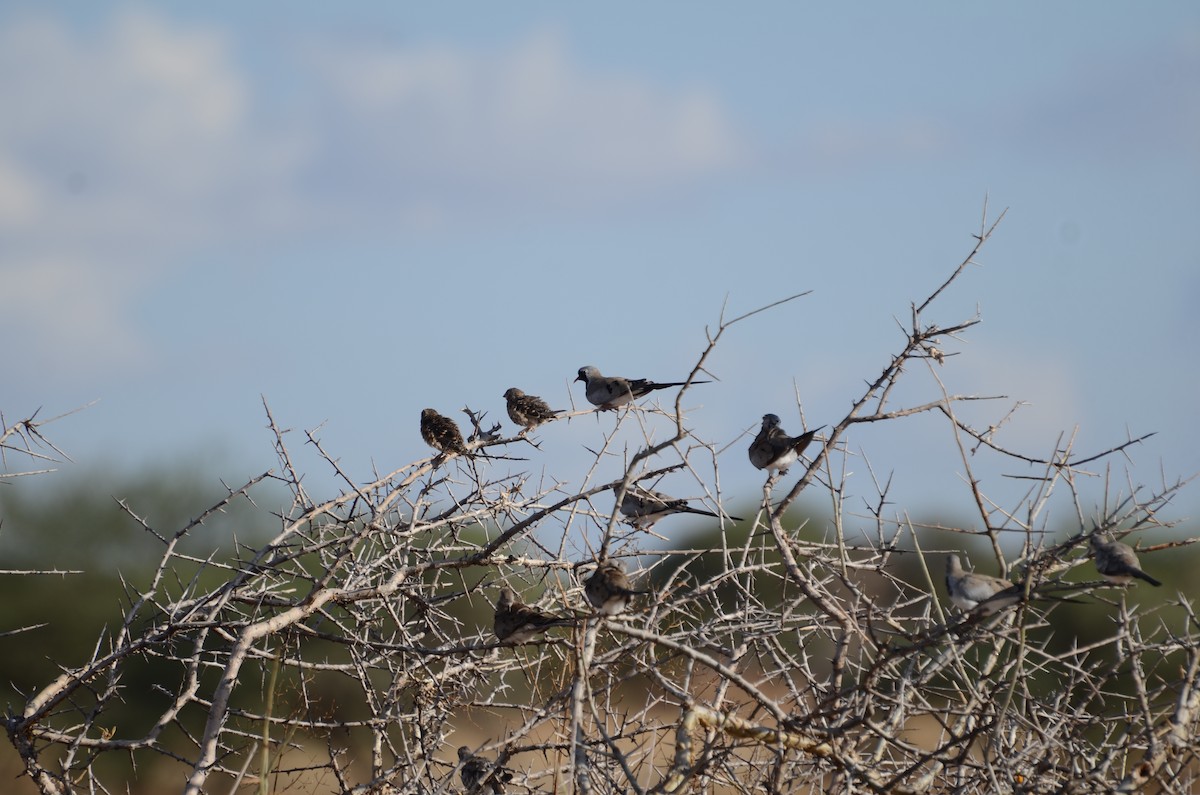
477	773
643	507
609	589
608	392
774	449
1117	562
441	433
517	622
969	590
528	411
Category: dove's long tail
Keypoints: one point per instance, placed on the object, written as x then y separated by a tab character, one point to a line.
1141	575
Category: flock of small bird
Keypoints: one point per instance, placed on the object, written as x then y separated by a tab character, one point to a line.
772	449
609	589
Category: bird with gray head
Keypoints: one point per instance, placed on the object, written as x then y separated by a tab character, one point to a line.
528	411
970	591
774	449
442	434
609	589
517	622
985	595
477	773
643	507
608	392
1117	562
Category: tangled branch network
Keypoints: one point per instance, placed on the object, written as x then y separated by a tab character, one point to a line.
459	625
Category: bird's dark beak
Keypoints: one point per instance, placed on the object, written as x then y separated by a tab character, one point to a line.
580	377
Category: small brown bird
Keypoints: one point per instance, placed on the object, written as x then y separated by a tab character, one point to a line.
441	433
517	622
643	507
528	411
477	773
774	449
1117	562
609	589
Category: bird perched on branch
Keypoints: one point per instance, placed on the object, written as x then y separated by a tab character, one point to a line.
477	773
610	391
969	590
985	594
643	507
609	589
528	411
517	622
441	433
1117	562
774	449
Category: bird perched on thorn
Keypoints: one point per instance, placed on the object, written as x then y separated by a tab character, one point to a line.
517	622
1117	562
528	411
478	773
441	433
610	391
609	589
643	507
969	590
774	449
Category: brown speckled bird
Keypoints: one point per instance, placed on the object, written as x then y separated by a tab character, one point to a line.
609	589
517	622
528	411
441	433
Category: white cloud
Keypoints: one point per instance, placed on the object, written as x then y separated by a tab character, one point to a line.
124	148
118	150
527	122
150	119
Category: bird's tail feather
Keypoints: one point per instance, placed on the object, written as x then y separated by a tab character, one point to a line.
1141	575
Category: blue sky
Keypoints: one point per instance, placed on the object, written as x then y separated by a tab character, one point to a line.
361	210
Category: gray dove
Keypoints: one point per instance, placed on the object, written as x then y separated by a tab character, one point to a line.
609	392
1117	562
774	449
517	622
477	772
969	590
643	507
441	433
987	595
528	411
609	589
